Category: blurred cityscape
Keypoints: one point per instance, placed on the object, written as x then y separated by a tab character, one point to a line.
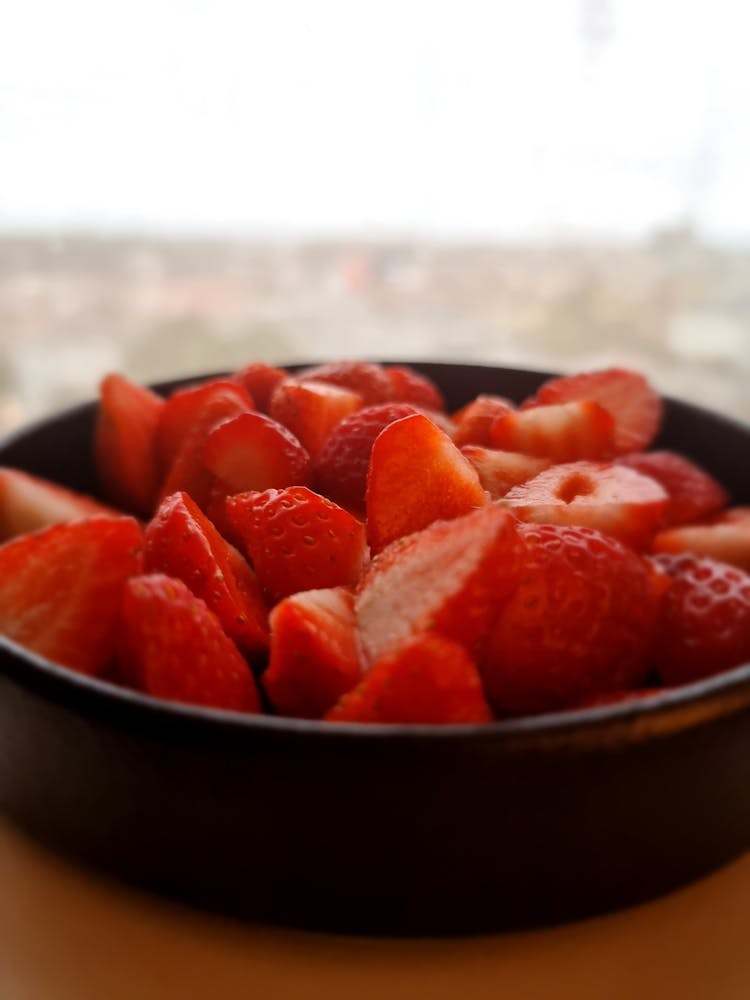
73	308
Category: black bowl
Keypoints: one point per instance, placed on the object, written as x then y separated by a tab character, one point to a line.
375	829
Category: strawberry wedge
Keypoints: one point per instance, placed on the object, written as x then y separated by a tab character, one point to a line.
28	503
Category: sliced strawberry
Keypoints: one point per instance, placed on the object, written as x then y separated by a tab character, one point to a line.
216	512
416	476
451	578
185	407
125	443
315	657
342	464
181	542
259	380
430	679
566	432
370	381
28	503
705	621
298	540
499	471
311	410
410	386
726	538
172	646
580	623
633	402
611	498
60	589
693	493
474	421
253	452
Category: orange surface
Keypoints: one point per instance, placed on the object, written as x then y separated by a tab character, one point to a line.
66	935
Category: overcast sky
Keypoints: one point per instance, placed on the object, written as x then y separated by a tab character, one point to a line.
438	117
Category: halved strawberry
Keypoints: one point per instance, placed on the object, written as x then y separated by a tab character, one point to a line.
342	464
172	646
725	537
451	578
253	452
185	406
311	410
705	621
566	432
298	540
259	380
579	624
28	503
611	498
181	542
125	443
430	679
367	379
410	386
633	402
474	421
315	657
499	471
693	492
60	589
416	476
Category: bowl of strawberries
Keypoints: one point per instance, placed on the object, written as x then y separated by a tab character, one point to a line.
380	648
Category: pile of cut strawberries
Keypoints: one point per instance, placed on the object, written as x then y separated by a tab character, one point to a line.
333	545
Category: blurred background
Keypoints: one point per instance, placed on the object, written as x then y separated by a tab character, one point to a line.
188	185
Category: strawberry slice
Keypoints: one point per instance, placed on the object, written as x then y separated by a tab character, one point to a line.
298	540
181	542
499	471
726	538
184	408
611	498
431	679
312	409
370	381
253	452
416	476
342	464
635	405
125	443
60	589
473	422
563	433
693	493
172	646
259	380
28	503
705	621
410	386
315	657
451	578
579	624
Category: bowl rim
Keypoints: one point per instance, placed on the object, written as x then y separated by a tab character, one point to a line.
666	711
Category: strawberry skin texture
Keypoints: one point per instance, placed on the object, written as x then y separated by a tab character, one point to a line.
29	503
635	405
725	537
60	589
173	647
473	422
410	386
125	443
705	621
185	407
312	409
416	476
499	471
692	492
567	432
429	680
610	498
298	540
370	381
253	452
259	380
451	578
341	467
181	542
315	656
580	623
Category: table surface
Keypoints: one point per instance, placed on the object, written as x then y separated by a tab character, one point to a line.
66	934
